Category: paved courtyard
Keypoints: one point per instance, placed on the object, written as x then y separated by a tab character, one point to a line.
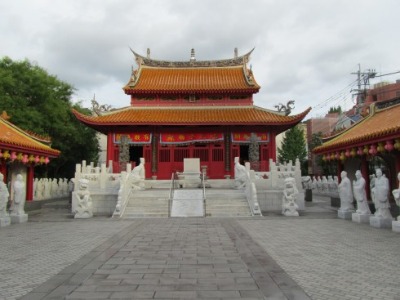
315	256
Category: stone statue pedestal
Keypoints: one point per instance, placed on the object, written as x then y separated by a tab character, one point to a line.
16	219
6	221
344	214
379	222
358	218
396	226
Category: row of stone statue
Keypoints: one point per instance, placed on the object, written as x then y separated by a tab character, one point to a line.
17	211
379	194
47	188
321	184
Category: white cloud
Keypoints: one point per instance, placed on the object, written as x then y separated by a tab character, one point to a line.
305	50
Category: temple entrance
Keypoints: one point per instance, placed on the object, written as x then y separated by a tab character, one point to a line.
244	153
135	153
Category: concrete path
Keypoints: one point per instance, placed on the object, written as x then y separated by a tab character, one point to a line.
314	256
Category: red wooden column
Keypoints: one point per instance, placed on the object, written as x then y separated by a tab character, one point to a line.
110	148
29	183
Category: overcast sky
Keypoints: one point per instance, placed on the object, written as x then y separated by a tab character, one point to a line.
304	49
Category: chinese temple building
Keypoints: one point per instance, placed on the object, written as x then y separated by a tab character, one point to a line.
20	152
373	142
191	109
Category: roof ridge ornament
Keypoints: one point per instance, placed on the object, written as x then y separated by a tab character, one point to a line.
192	63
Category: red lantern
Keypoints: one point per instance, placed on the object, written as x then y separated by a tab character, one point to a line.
372	150
360	151
389	146
347	153
13	156
37	159
25	158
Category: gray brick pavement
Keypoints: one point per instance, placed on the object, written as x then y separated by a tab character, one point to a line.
314	256
333	258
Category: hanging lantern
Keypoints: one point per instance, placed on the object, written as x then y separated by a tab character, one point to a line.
324	157
365	150
389	145
353	152
13	156
31	158
372	150
397	144
6	154
37	159
337	156
25	158
19	156
41	160
347	153
332	156
46	160
360	151
342	156
380	147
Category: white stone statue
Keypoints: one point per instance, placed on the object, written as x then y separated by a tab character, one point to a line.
345	193
46	189
4	194
360	195
396	194
240	175
319	184
138	176
325	185
17	207
380	195
39	190
289	205
84	206
54	188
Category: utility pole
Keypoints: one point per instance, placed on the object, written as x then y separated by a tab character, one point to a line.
362	84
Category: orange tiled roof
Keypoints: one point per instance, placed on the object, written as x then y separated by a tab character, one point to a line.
384	123
248	115
190	80
14	138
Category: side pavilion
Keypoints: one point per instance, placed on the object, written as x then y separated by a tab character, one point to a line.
191	109
372	143
20	152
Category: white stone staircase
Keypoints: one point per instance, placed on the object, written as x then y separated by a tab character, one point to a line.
151	203
226	203
220	202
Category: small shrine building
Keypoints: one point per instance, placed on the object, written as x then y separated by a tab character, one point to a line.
373	142
20	152
191	109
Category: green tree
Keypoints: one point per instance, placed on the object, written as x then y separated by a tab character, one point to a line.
293	147
335	109
41	103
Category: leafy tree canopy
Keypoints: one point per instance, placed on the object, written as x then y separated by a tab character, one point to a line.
293	147
40	102
335	109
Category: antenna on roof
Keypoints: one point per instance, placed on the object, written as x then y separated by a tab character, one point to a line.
148	52
192	55
235	53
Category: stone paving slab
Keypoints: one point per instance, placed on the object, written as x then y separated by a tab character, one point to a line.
314	256
189	258
332	258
